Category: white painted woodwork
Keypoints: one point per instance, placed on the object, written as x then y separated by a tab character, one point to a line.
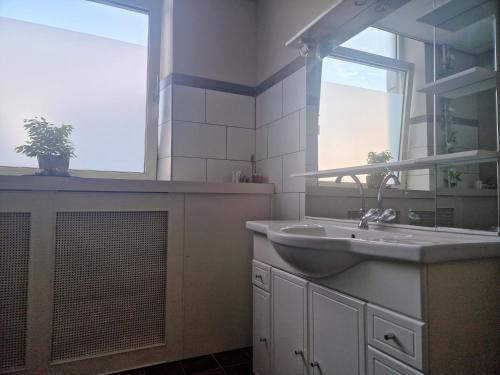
261	275
261	332
336	333
397	335
381	364
288	324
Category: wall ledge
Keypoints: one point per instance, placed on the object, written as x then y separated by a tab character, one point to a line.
43	183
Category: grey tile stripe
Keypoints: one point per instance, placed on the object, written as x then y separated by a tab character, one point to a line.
430	118
233	88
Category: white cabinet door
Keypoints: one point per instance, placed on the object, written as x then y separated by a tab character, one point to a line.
261	331
289	324
336	333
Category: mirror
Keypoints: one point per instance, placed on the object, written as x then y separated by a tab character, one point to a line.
420	82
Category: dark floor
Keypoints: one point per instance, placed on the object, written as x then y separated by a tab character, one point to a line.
234	362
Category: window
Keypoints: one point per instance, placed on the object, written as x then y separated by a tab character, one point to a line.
363	96
91	64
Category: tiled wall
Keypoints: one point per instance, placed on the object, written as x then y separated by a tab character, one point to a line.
280	142
204	134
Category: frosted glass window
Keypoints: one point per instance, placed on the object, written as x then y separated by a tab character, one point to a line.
76	62
376	41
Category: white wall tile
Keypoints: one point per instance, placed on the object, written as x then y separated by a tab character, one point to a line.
165	140
230	109
294	163
303	128
221	170
163	171
198	140
261	143
284	135
188	103
165	105
294	91
272	170
417	134
286	206
269	105
189	169
240	143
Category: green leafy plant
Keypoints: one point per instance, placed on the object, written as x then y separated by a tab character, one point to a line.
453	177
373	180
46	139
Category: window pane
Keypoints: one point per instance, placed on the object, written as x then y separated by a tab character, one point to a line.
361	103
76	62
374	41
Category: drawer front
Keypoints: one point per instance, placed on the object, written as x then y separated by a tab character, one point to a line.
381	364
397	335
261	274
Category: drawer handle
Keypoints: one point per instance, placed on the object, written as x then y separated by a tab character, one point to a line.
298	352
259	277
315	364
390	336
263	339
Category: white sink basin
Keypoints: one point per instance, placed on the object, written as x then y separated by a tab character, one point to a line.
319	249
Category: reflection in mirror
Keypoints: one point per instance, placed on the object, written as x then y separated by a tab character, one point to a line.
421	82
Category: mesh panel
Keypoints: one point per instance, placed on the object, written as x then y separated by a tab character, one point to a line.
110	280
14	255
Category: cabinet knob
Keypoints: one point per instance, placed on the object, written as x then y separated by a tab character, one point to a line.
390	336
315	364
263	339
298	352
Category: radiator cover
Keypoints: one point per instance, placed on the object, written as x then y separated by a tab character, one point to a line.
14	256
109	282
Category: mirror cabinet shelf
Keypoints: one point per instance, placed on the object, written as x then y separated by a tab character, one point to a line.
467	82
465	157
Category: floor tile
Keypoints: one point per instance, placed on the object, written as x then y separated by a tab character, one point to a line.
174	368
198	364
244	369
231	358
248	352
215	371
132	372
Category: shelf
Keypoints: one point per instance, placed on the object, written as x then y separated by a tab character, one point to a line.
466	82
454	15
404	165
343	20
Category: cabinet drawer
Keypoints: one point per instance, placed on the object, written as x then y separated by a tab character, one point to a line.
261	274
381	364
397	335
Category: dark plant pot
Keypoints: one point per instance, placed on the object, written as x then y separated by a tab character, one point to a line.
53	165
373	181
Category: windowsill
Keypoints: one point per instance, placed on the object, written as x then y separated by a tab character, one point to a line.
43	183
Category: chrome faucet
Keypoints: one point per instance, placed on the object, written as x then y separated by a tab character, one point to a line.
372	215
388	214
361	192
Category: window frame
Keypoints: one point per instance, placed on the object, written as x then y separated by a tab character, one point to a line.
153	8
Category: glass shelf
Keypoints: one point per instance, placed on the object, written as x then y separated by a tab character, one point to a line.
403	165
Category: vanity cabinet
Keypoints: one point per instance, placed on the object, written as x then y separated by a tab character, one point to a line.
288	324
312	330
336	332
261	331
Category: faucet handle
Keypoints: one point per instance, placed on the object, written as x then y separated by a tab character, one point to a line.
388	215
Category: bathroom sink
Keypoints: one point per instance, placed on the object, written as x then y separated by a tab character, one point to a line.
319	250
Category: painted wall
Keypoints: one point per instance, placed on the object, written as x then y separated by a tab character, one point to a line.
215	39
277	22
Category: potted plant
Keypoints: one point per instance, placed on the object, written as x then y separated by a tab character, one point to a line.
50	144
373	180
